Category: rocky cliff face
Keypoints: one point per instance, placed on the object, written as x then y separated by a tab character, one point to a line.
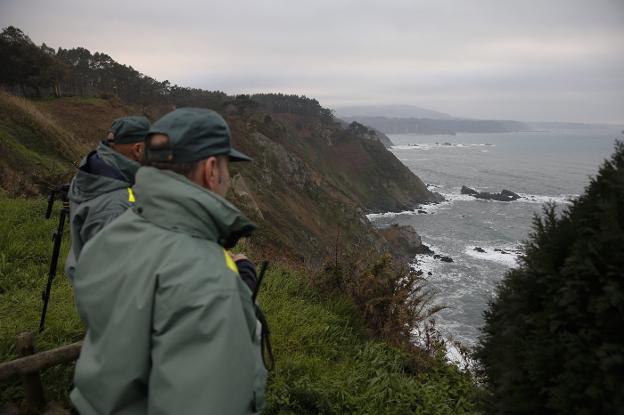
312	181
309	187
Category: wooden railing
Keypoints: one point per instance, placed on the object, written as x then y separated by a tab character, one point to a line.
28	366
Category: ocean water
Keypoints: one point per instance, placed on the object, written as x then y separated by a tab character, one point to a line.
540	166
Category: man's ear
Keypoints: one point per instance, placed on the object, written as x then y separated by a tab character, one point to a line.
137	151
210	172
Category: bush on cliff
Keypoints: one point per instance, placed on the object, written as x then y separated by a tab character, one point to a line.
553	341
393	300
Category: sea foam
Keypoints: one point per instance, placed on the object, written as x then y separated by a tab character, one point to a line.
509	258
430	146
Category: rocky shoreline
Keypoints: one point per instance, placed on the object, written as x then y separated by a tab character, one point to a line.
405	243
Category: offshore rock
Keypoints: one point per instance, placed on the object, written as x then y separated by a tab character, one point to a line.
465	190
504	196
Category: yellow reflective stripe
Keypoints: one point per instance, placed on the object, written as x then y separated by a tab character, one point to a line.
230	262
131	198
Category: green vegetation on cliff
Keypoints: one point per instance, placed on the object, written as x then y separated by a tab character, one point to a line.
33	149
553	340
326	359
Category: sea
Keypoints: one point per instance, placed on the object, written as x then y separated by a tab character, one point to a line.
544	166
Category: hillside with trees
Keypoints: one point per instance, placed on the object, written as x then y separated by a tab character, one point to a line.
325	175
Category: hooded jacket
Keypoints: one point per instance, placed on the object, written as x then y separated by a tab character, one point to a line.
171	325
100	192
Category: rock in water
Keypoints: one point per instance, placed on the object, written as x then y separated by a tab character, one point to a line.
510	195
479	249
446	259
465	190
504	196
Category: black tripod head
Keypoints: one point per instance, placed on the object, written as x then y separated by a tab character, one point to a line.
59	192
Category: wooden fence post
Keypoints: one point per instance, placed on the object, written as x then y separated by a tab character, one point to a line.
33	389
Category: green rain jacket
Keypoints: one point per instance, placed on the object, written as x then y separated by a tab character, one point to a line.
171	325
100	192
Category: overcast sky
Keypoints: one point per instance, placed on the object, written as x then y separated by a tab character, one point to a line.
559	60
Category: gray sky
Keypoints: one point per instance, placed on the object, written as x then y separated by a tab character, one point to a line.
560	60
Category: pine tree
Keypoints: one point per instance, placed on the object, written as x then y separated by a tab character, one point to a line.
553	340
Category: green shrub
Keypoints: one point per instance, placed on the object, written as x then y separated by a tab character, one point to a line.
392	299
553	340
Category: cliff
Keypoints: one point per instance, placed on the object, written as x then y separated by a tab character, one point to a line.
309	187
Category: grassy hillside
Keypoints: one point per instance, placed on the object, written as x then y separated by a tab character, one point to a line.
326	361
34	151
41	140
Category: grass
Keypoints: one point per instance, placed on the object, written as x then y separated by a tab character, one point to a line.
25	250
34	151
36	129
325	361
327	364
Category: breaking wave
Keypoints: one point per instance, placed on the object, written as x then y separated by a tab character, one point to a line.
505	255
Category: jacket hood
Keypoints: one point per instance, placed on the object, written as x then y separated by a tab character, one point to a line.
173	202
102	171
128	168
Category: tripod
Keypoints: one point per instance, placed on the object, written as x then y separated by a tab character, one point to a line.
57	238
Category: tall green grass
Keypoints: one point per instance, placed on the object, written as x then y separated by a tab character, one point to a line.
25	251
327	364
325	361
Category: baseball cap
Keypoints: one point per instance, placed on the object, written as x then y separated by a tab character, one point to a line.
194	134
128	130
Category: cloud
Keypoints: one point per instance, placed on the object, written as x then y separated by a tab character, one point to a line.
483	59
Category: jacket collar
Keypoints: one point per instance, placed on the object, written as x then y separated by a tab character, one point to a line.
115	172
126	167
173	202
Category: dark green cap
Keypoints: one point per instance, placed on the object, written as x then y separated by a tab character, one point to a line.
194	134
128	130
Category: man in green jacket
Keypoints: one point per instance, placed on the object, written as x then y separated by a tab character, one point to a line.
171	325
102	188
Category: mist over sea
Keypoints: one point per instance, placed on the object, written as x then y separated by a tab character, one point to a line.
540	166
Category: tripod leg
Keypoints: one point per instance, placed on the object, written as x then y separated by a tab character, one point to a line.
56	250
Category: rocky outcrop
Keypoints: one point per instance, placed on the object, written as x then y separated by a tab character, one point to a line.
443	258
366	132
404	241
504	196
465	190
